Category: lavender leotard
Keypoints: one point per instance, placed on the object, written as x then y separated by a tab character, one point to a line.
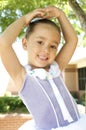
48	99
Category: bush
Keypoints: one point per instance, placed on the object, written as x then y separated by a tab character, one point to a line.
79	100
75	95
82	99
11	105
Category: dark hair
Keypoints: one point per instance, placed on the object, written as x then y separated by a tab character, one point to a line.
32	25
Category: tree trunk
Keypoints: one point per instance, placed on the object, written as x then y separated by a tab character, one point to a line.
79	13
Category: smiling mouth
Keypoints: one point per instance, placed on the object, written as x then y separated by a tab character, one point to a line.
43	58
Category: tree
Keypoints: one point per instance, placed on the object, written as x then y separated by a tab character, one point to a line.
12	9
79	13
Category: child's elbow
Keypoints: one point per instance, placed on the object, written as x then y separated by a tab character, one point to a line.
74	39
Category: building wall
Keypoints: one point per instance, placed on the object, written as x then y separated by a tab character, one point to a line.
70	76
81	63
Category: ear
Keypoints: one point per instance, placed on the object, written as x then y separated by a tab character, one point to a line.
24	43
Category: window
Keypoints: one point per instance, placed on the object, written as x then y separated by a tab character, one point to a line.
82	78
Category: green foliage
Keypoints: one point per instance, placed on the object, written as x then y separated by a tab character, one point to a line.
75	95
10	10
82	99
78	99
11	105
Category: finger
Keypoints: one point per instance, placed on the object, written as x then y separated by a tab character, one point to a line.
40	13
47	15
40	10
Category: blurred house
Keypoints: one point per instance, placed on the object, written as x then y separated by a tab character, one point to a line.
75	72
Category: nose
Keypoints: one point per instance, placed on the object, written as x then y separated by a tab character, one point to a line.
46	49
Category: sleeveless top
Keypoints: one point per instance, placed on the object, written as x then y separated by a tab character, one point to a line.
47	98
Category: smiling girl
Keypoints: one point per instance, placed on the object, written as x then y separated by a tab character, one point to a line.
39	83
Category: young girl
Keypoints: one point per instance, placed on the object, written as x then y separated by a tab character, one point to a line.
39	83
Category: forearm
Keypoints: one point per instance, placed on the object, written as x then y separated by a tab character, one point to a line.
67	29
11	33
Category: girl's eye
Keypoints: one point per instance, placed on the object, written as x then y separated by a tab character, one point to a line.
53	47
39	42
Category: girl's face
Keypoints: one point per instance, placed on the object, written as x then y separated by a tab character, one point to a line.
42	46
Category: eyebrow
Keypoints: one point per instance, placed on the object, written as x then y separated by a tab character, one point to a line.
43	38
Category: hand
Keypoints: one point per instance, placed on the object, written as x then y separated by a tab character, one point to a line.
38	13
48	12
52	11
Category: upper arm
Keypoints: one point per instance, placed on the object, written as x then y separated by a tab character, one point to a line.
10	61
65	54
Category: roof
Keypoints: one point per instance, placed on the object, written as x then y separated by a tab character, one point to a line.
79	57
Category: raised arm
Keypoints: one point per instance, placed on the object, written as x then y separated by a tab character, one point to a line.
70	38
69	34
7	38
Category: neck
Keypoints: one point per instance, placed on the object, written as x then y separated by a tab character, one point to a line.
36	67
